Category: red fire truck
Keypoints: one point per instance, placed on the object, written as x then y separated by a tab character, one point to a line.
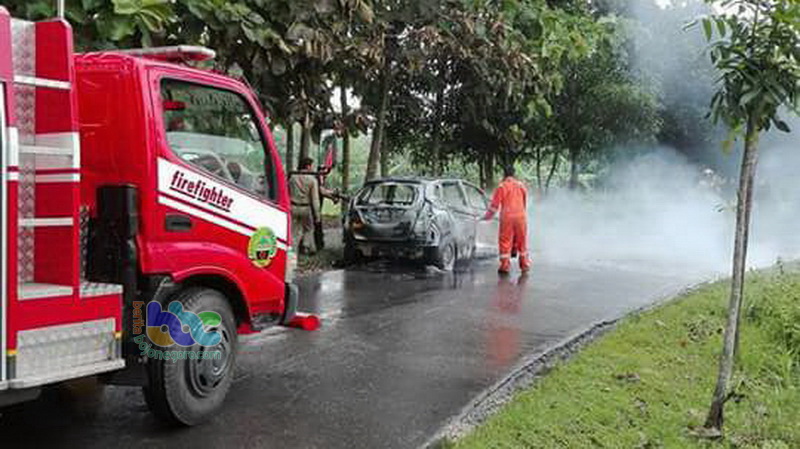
144	221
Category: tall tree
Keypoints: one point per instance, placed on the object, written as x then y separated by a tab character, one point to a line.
396	21
758	57
345	140
601	105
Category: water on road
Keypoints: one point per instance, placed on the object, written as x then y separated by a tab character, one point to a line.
402	351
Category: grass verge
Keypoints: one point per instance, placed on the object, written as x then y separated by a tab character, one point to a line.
648	383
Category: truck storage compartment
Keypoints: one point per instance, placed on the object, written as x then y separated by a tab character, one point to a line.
55	324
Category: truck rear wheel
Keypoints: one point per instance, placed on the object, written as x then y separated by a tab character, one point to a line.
188	391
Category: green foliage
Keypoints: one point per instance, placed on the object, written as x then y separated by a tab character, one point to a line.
645	383
779	314
469	84
758	55
468	81
602	105
105	24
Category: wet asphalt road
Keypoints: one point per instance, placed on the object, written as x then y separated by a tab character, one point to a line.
401	352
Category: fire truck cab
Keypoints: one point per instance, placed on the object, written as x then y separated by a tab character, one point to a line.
144	223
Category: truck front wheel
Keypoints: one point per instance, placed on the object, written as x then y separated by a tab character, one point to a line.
190	388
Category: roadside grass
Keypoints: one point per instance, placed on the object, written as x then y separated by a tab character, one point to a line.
648	383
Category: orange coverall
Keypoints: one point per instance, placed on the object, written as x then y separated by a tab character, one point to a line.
511	198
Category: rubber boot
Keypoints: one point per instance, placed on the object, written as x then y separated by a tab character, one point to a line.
524	264
505	266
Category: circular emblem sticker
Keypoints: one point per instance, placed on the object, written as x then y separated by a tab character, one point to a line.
262	247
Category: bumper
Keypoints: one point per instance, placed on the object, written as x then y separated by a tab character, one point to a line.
404	250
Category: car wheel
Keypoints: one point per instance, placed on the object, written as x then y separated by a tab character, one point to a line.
446	255
351	254
189	391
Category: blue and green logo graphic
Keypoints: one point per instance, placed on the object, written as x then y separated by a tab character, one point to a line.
176	326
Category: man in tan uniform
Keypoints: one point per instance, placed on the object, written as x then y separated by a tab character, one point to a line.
304	192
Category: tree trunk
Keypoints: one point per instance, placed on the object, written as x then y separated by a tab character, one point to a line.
290	164
384	160
573	168
553	169
744	206
345	143
539	168
489	170
482	174
375	150
438	161
305	137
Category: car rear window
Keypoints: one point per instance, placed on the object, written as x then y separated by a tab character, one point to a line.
396	194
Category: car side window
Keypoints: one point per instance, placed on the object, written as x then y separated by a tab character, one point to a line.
453	196
476	198
217	131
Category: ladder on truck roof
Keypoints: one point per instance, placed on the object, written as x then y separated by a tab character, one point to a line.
55	326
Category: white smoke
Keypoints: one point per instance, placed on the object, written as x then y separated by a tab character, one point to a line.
660	212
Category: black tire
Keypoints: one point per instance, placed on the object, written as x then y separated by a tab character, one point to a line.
446	255
189	392
351	254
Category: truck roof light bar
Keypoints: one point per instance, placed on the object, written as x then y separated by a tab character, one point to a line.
177	53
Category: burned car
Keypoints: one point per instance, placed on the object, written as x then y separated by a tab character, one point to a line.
437	221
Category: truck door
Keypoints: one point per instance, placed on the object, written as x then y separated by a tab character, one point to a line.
219	191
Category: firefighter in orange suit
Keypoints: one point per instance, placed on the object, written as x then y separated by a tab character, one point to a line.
511	199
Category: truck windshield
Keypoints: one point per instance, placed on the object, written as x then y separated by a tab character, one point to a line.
217	131
388	194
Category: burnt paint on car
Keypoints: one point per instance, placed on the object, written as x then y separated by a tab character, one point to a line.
412	217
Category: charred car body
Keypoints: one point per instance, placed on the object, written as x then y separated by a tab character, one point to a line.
437	221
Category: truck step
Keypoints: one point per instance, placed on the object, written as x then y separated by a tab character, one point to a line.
35	290
45	222
42	82
94	289
44	150
55	375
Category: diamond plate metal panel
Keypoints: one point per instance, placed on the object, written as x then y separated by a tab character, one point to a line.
84	240
58	348
25	109
27	210
23	45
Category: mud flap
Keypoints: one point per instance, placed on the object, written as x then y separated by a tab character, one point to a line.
292	297
291	318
